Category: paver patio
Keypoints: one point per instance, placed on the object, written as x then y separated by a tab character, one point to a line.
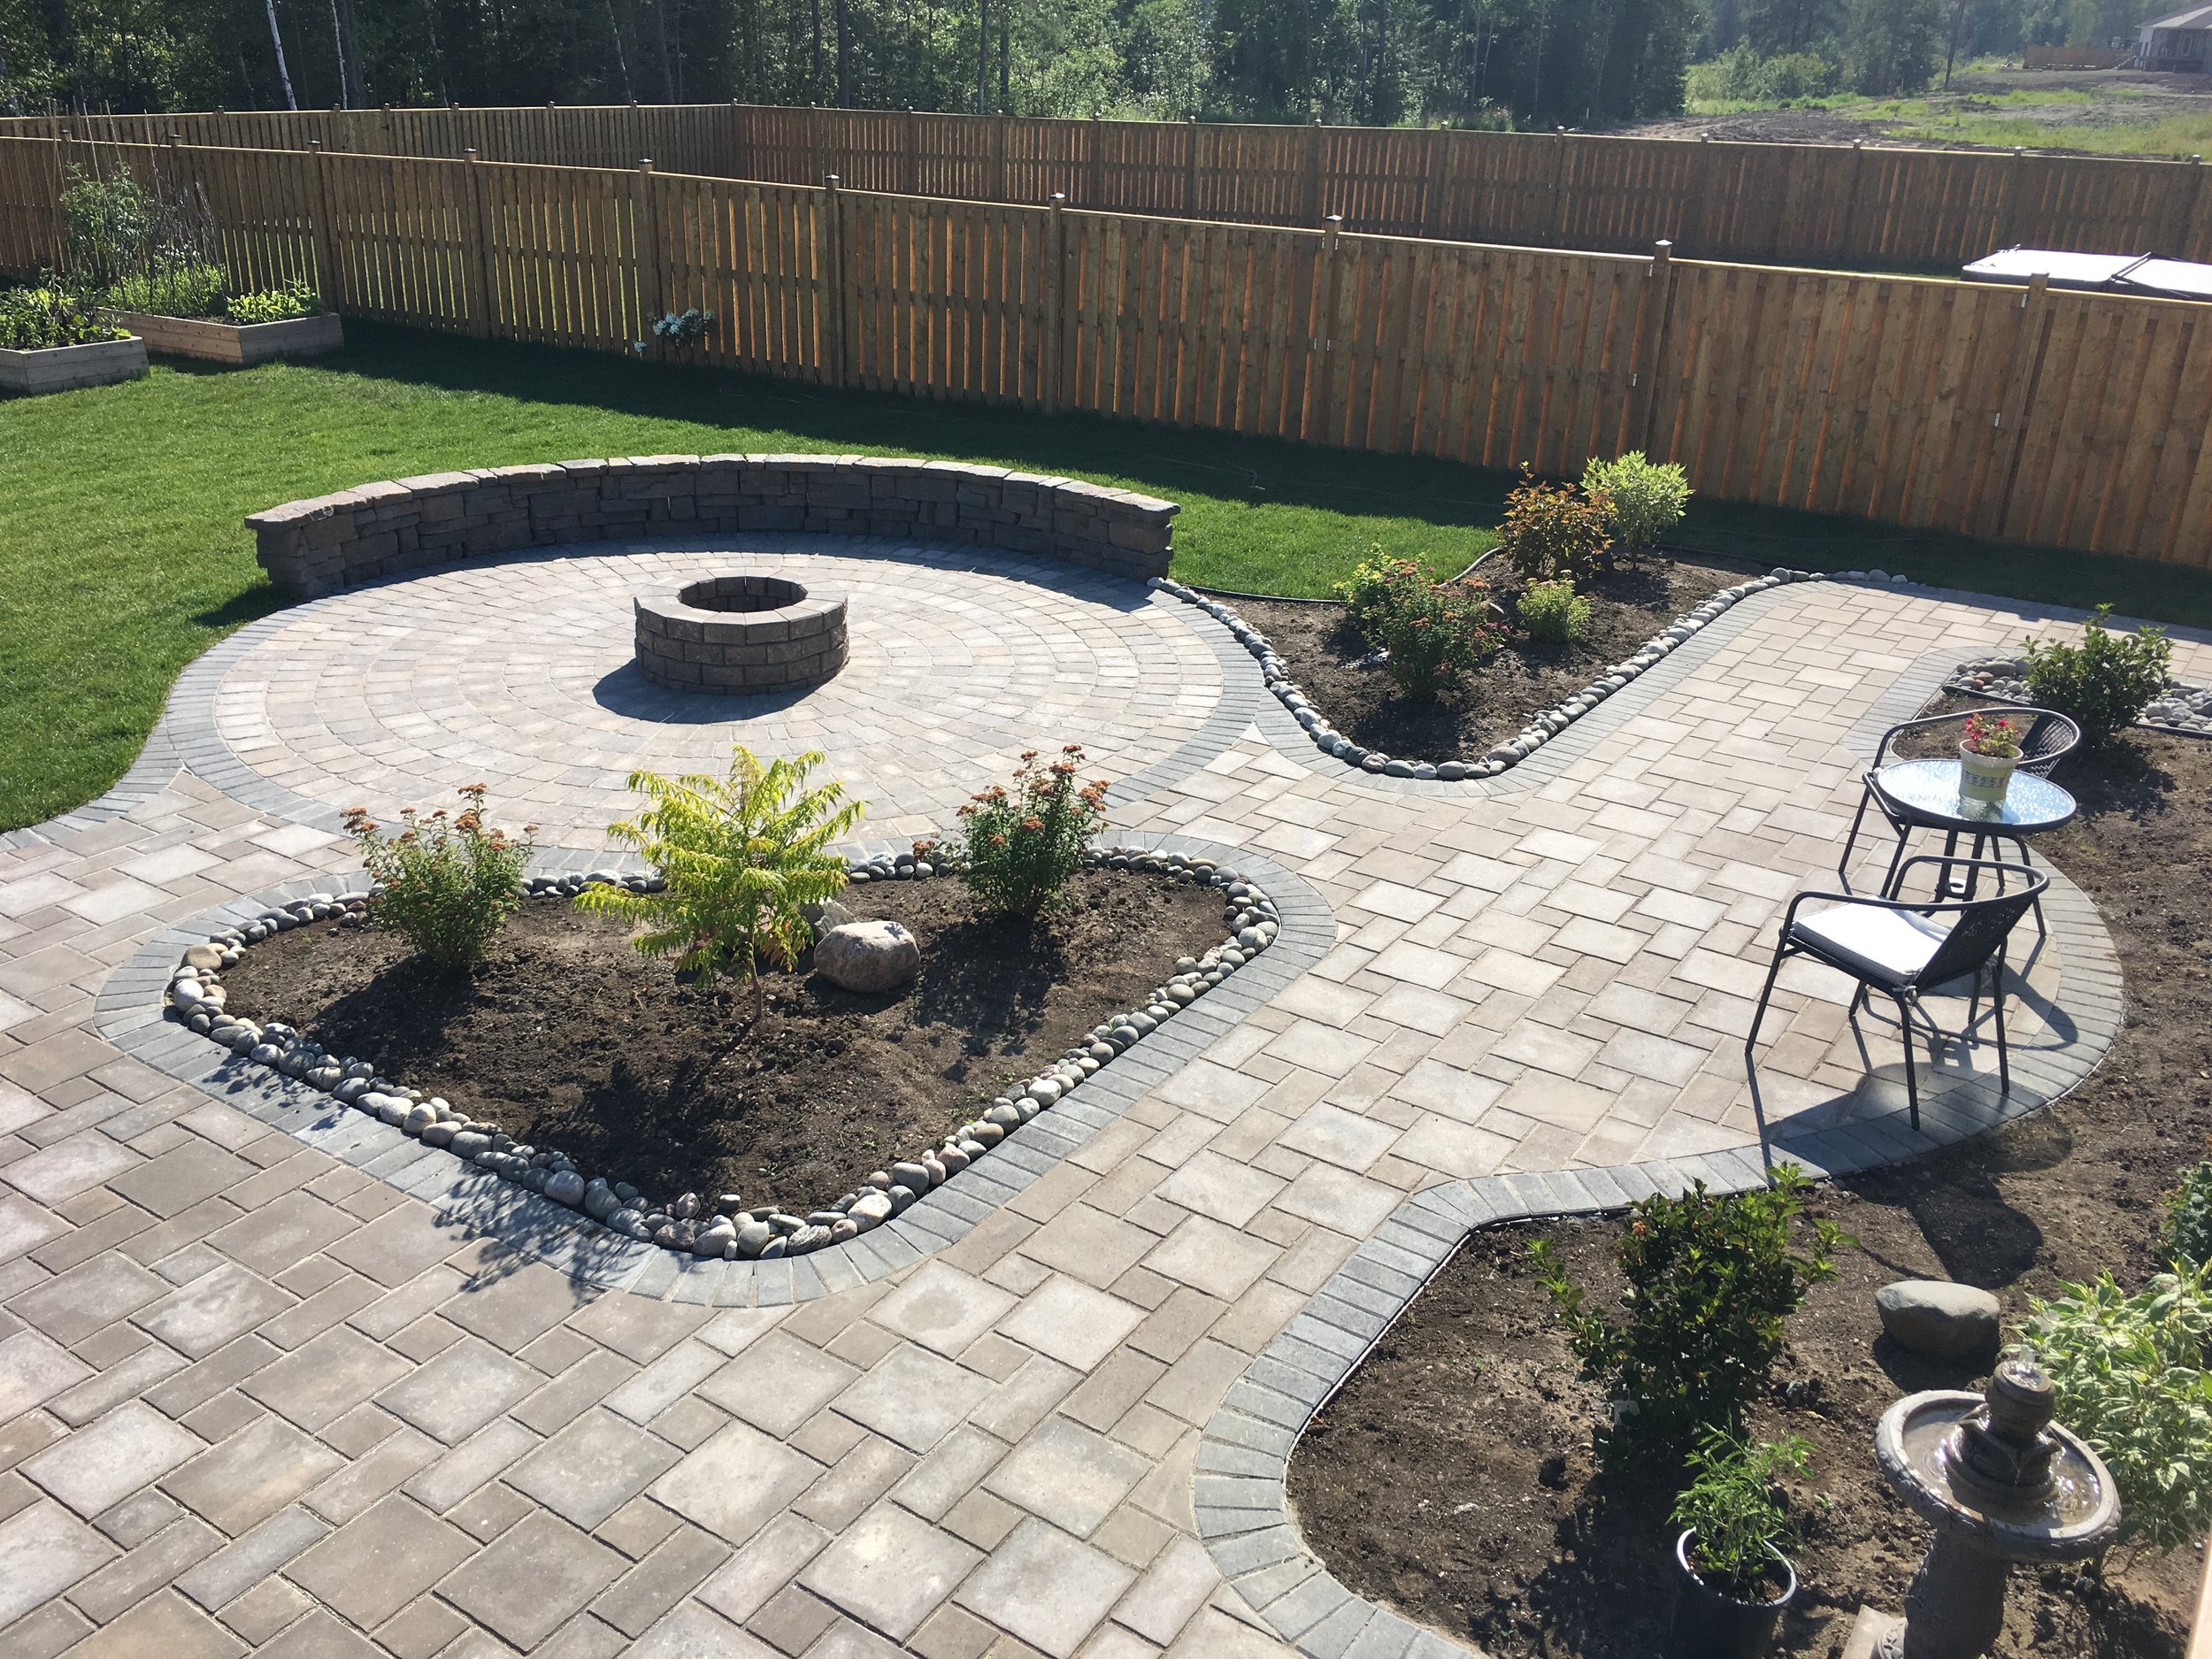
256	1396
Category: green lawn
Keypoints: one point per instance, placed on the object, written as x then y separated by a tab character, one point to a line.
122	556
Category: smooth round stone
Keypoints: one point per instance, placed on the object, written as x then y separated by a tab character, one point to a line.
1045	1091
715	1241
988	1133
418	1119
912	1175
902	1195
752	1237
871	1209
565	1187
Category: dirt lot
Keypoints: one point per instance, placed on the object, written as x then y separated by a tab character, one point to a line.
1453	1479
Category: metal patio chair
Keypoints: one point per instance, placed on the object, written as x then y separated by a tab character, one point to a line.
1902	948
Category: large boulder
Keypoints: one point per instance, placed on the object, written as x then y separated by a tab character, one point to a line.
1938	1318
868	956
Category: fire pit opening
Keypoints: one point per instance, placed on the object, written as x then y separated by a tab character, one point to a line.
740	634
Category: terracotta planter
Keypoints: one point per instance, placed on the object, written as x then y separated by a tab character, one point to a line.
1710	1624
215	341
64	368
1984	778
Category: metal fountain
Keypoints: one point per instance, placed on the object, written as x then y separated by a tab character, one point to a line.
2000	1483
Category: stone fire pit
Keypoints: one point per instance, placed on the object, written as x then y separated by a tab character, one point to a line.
740	634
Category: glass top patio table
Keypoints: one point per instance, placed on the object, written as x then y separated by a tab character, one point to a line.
1926	792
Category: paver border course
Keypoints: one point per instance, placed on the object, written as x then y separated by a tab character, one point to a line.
319	545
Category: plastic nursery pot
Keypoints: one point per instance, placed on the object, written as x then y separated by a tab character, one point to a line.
1710	1624
1985	778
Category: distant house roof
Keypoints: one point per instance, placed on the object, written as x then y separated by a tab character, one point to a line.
2195	18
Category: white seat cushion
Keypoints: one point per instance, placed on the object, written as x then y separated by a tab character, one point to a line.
1889	946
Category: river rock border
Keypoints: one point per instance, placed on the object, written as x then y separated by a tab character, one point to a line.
317	546
691	1224
2186	709
1541	730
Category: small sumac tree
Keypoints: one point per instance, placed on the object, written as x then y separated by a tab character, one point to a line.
448	884
1017	848
1709	1281
741	857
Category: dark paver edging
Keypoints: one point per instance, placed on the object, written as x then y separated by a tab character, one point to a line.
1240	1493
130	1012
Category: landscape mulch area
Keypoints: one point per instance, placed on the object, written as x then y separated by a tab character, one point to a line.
1492	703
1452	1478
567	1038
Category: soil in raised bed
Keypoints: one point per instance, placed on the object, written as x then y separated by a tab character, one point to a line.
567	1038
1489	704
1451	1477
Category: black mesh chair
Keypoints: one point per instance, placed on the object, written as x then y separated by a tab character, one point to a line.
1902	948
2050	738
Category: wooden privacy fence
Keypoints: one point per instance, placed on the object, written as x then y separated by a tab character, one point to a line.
1831	205
2078	419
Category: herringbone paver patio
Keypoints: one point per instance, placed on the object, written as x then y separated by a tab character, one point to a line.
259	1393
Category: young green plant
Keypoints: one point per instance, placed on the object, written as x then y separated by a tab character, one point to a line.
2104	683
740	858
1710	1278
1734	1510
1430	632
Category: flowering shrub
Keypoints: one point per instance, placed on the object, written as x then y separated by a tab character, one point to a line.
1016	848
1709	1281
1554	612
1430	631
2130	1376
1994	735
1552	530
741	857
449	883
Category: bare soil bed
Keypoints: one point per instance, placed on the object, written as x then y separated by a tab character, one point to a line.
1452	1478
568	1038
1492	703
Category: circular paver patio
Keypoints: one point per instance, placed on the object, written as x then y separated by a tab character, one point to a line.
271	1380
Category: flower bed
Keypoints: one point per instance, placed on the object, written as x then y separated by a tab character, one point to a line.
1314	712
1452	1476
828	1093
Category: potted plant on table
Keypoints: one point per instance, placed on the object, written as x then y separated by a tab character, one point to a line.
1734	1578
1987	755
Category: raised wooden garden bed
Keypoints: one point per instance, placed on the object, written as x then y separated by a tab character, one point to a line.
215	341
64	368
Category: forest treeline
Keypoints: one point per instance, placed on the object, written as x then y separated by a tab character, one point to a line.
1470	63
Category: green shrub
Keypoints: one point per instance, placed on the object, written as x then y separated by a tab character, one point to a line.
1644	499
1017	848
2104	683
2186	1237
741	858
39	320
1554	612
1709	1281
448	884
108	227
1739	75
2130	1376
1430	631
1732	1503
294	300
172	288
1552	530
